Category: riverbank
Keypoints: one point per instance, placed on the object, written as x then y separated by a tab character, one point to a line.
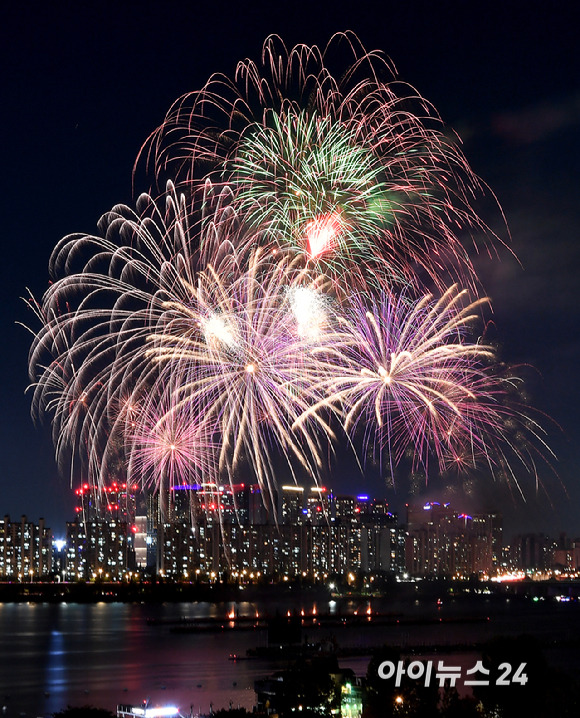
153	592
218	592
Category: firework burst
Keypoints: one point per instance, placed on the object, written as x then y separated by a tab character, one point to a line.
240	345
138	312
405	377
168	444
357	168
107	294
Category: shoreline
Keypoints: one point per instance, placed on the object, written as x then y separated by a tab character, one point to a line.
220	592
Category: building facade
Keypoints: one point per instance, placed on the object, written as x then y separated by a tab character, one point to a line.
98	549
443	542
25	549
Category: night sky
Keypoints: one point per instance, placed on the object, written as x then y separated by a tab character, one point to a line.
82	88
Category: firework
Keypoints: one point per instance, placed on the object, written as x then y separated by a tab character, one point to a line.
139	315
167	444
406	378
356	172
107	293
240	346
267	295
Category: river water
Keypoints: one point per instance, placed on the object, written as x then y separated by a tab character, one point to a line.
54	655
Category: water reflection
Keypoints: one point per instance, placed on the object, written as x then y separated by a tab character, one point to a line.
103	654
56	675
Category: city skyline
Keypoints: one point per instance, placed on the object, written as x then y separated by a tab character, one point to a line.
511	321
330	540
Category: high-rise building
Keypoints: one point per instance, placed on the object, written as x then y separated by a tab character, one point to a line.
140	542
378	542
317	505
207	529
533	551
25	549
292	509
258	512
363	504
98	549
116	501
444	542
344	507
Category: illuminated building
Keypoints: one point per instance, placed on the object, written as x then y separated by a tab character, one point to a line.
351	699
379	507
97	549
292	510
317	507
380	546
334	548
532	552
208	530
344	507
362	504
289	549
25	549
257	509
178	549
496	538
116	500
230	503
566	554
183	502
444	542
140	542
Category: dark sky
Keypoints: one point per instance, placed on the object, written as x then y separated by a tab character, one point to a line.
83	86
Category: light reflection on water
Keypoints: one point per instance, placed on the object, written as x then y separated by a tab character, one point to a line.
54	655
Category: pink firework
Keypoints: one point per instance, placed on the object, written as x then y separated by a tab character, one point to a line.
407	377
243	347
168	444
